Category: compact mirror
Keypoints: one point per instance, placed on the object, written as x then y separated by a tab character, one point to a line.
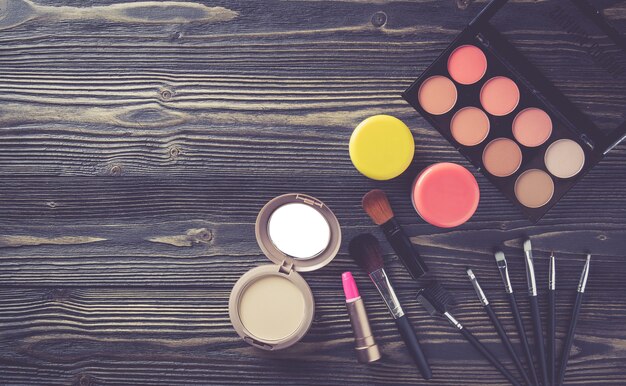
299	230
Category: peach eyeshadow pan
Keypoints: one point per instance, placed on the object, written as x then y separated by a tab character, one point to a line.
437	95
469	126
532	127
467	64
499	96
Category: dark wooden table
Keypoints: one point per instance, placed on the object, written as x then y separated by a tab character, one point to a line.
139	140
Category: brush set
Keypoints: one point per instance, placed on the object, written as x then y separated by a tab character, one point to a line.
438	301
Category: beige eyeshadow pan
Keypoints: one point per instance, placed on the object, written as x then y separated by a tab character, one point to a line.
534	188
564	158
502	157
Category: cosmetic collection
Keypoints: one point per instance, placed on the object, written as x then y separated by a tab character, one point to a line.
516	128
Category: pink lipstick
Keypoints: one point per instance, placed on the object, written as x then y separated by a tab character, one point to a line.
366	348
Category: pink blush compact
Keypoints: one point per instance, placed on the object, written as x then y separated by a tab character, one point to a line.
445	195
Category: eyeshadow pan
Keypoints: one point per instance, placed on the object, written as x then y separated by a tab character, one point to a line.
564	158
499	96
502	157
437	95
469	126
532	127
534	188
467	64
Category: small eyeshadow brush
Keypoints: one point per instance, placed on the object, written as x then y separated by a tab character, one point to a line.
498	326
552	321
504	272
435	300
575	312
534	312
376	205
365	250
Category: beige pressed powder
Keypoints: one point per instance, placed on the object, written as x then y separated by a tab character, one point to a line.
271	308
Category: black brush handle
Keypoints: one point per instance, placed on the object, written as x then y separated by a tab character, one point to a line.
506	342
541	352
413	345
404	248
552	336
570	336
489	356
523	338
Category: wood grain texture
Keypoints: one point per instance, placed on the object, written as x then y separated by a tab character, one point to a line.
139	139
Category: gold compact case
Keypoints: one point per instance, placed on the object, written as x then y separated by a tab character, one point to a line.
271	307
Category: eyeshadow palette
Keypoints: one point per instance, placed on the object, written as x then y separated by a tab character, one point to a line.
507	119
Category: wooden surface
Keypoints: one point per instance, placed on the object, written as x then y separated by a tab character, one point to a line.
138	140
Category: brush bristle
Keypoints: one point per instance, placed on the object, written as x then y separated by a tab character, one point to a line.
500	256
527	246
365	251
376	205
439	296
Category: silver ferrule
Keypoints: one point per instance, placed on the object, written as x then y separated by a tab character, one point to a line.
552	274
452	320
479	291
504	273
381	281
583	276
530	273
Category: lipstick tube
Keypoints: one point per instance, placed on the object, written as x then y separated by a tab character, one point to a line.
366	348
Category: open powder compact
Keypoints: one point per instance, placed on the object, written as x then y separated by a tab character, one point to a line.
272	306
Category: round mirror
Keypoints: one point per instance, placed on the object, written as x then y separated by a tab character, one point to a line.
299	230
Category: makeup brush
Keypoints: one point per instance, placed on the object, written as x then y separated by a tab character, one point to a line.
376	205
504	272
534	312
575	312
365	250
552	321
435	300
498	326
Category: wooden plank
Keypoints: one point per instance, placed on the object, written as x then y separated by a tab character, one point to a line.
114	231
56	336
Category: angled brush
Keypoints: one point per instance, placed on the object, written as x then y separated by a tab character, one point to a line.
376	205
435	299
365	250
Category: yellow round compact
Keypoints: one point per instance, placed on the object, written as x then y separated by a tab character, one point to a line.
382	147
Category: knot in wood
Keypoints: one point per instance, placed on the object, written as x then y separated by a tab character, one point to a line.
379	19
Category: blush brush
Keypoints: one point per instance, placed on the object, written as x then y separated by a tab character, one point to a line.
365	251
376	205
435	299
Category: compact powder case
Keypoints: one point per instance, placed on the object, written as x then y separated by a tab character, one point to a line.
532	136
271	307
